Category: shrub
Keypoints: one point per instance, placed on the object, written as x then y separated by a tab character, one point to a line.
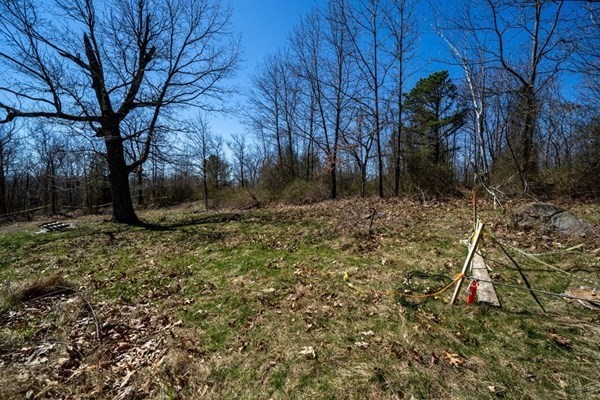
305	192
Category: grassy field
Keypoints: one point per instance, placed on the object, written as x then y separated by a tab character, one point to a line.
254	305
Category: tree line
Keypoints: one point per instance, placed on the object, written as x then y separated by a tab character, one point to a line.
520	112
91	114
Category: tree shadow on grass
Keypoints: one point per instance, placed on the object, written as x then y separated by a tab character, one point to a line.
209	219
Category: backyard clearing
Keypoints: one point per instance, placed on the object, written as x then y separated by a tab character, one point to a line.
294	302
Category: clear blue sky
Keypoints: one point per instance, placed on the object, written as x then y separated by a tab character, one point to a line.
264	26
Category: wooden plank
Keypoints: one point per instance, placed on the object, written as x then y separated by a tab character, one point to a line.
472	249
485	291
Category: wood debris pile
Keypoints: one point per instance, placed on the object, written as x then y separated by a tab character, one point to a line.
54	226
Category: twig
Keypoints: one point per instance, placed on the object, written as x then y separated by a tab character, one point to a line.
538	260
94	316
492	192
559	251
371	220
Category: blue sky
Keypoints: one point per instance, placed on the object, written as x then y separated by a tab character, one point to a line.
264	26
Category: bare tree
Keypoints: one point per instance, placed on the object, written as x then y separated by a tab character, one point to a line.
217	166
239	148
95	63
358	142
366	27
560	122
7	139
201	140
534	29
471	59
587	54
322	48
50	150
402	25
518	48
271	110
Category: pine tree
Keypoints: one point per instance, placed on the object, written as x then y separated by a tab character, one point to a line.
434	115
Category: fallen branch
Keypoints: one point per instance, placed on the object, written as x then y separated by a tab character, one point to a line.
371	220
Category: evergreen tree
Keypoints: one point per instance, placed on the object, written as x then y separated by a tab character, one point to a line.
434	115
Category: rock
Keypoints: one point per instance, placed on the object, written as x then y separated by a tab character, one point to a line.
547	218
308	352
567	223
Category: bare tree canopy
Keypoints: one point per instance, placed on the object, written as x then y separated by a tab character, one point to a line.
339	106
529	44
99	64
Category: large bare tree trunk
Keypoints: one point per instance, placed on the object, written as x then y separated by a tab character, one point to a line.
118	177
100	60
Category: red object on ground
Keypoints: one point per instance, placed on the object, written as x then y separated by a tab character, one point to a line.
472	292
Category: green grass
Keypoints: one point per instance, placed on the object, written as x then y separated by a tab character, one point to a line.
253	288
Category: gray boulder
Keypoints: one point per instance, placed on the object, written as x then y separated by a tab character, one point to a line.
548	218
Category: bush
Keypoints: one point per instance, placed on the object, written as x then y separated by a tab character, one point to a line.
305	192
239	198
429	178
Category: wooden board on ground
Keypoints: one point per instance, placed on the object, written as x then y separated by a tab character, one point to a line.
485	291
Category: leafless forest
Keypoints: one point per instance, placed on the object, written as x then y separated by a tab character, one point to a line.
107	104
